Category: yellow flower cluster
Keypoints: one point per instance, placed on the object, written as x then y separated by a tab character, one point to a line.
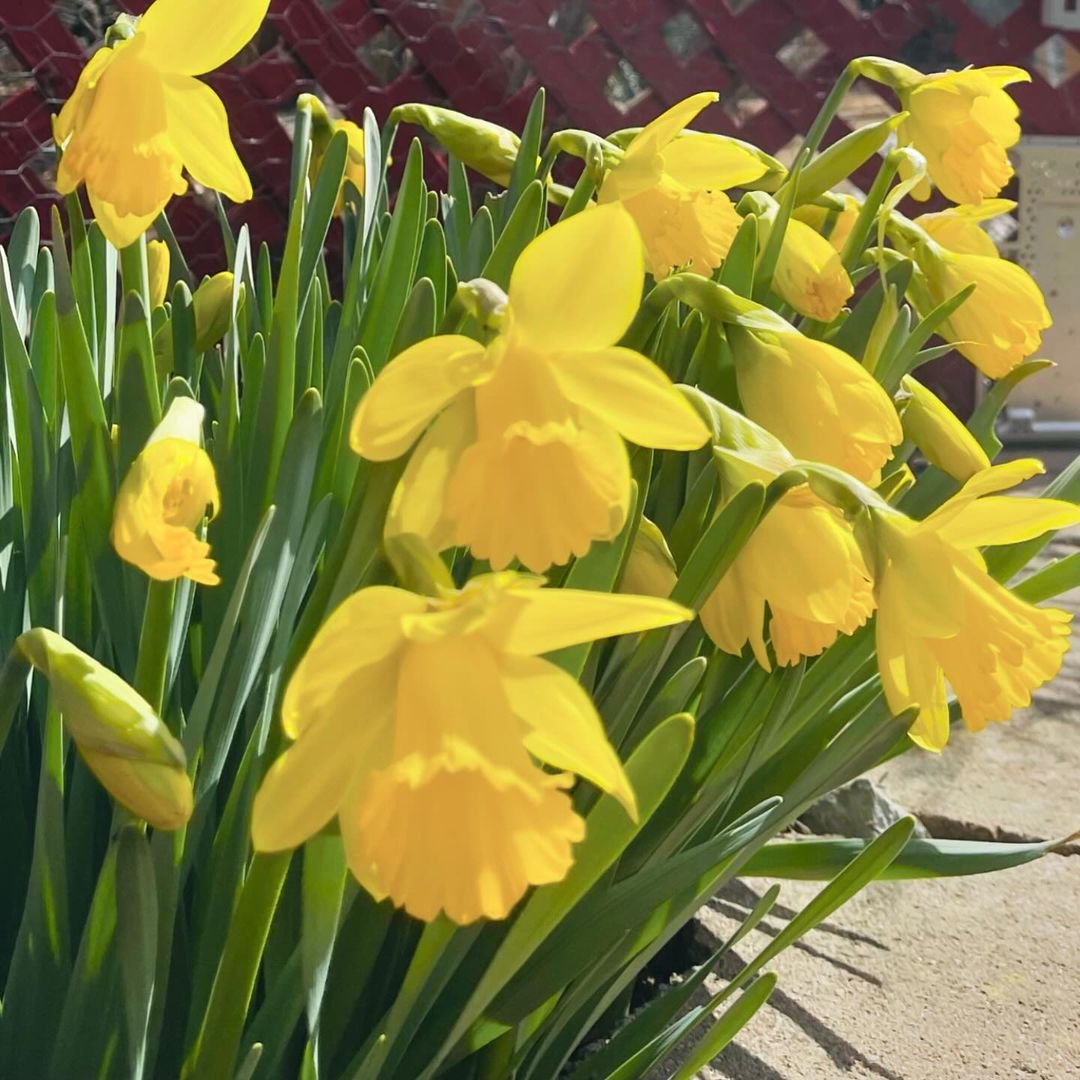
430	727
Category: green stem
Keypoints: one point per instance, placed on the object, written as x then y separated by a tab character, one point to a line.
134	272
13	675
828	109
150	669
855	244
215	1051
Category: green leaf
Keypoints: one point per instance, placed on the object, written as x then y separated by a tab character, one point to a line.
320	210
521	228
137	913
737	269
728	1026
1053	580
818	860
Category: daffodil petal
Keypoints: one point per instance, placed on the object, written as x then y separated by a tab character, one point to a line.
529	621
704	162
306	786
577	286
121	230
632	394
199	128
1004	519
362	631
659	133
414	387
192	37
565	730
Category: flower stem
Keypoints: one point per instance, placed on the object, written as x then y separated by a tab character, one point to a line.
134	272
871	207
152	664
828	109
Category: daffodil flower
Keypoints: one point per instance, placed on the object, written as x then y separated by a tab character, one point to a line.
833	222
962	122
139	117
809	274
650	567
526	457
165	497
1001	323
801	564
419	723
942	617
819	402
674	186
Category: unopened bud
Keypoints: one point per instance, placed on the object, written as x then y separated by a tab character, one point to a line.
481	145
650	568
932	426
157	271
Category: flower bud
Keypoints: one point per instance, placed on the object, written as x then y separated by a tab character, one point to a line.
323	129
834	221
809	274
840	160
650	568
213	310
932	426
157	271
120	737
487	148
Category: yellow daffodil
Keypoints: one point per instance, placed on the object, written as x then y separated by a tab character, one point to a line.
120	737
818	401
674	189
962	122
833	222
323	129
1001	323
436	784
650	568
139	117
526	457
158	262
942	617
809	274
801	562
933	427
957	228
164	498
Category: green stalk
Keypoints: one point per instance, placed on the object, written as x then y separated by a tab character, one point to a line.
215	1051
134	272
13	674
828	110
150	668
855	244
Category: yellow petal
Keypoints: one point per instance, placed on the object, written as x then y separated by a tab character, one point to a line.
157	266
362	632
199	129
810	275
306	787
1001	519
414	387
633	395
192	37
121	230
658	134
565	730
703	162
529	621
577	285
73	114
419	503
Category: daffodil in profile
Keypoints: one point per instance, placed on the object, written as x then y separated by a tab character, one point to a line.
1001	323
139	116
939	433
525	459
962	122
819	402
323	128
800	571
165	497
673	185
941	617
421	724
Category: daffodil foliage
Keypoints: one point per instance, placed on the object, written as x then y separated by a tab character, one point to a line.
401	647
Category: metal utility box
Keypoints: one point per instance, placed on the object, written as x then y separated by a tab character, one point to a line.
1048	246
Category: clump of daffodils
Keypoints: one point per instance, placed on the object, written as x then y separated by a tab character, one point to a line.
445	635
